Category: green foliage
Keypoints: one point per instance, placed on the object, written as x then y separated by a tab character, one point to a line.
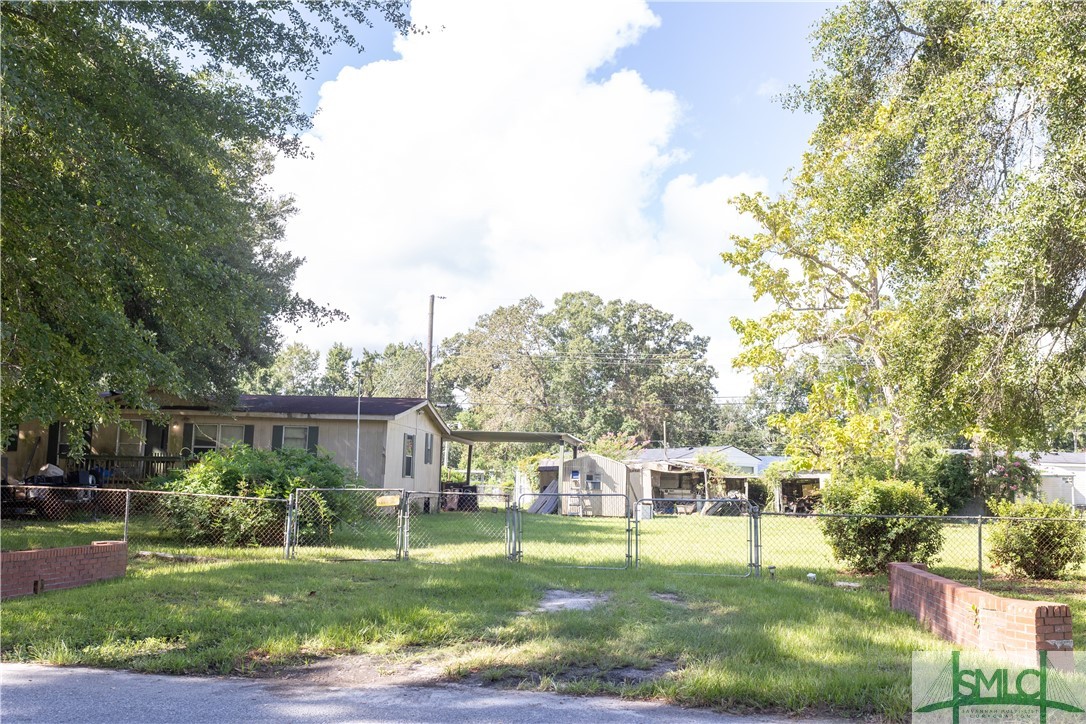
746	424
139	245
932	229
1005	479
1047	541
616	446
587	367
870	544
243	471
295	371
947	478
758	493
719	468
398	371
776	473
840	432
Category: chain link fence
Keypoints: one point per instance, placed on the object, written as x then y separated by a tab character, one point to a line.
586	530
967	549
450	527
712	536
205	525
150	521
346	523
582	530
38	516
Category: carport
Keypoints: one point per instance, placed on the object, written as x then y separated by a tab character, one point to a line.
562	439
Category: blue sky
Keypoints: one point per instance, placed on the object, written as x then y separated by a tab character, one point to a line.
524	148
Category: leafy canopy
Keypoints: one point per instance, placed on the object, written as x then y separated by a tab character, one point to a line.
936	228
139	246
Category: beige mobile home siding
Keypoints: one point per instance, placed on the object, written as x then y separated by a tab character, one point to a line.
427	477
613	476
335	436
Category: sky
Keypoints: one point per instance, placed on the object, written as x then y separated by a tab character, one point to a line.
536	148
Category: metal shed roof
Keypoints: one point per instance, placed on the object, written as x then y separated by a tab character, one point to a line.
470	437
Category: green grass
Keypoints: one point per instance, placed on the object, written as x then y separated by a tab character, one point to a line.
754	644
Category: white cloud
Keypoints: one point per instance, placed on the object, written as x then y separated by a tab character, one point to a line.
486	164
769	88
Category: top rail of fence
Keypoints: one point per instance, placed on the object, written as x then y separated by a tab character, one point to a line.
90	489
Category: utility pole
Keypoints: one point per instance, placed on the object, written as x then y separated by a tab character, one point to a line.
430	349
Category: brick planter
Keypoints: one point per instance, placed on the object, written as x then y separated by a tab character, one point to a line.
971	617
26	572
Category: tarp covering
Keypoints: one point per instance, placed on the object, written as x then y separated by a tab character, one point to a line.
547	502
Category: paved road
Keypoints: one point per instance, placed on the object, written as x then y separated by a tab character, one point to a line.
46	694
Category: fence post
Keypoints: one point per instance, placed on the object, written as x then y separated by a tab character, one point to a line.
404	526
756	541
980	550
127	507
286	526
510	543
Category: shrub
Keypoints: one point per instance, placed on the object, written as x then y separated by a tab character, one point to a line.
869	544
243	471
947	478
758	492
1005	479
1047	541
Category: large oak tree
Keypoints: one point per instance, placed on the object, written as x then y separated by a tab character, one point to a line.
139	241
936	231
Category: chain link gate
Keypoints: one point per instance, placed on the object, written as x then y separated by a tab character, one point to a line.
454	526
584	530
700	536
355	523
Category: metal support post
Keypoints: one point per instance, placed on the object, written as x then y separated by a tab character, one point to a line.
756	541
980	550
286	526
127	508
406	527
629	537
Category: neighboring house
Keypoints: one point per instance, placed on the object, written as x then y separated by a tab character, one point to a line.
671	474
395	442
675	472
744	462
1063	476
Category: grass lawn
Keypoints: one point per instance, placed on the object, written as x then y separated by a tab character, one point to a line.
740	644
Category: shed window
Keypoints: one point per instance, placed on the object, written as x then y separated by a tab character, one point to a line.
296	437
592	481
408	456
428	452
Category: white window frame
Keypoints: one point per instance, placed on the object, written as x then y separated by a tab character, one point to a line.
305	437
213	431
593	483
408	469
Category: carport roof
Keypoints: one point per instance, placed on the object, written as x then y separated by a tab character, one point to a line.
470	437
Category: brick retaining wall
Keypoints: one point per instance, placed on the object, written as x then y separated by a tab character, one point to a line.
971	617
26	572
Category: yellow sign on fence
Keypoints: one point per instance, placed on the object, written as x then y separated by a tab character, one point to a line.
388	501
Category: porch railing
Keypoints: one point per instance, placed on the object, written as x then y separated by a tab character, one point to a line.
114	470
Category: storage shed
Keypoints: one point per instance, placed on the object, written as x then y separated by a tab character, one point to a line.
594	485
